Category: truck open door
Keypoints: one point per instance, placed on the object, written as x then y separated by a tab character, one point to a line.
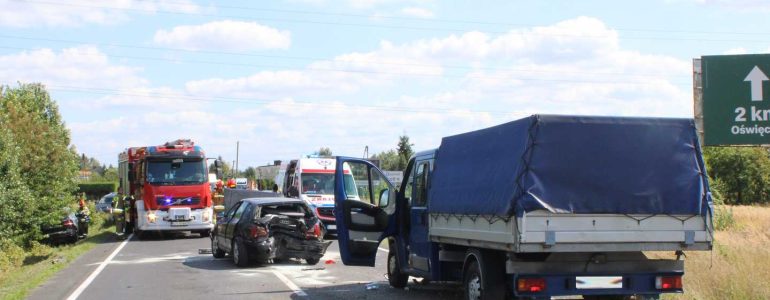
365	206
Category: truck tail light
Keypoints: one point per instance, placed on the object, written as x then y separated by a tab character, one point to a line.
530	285
314	233
673	282
258	231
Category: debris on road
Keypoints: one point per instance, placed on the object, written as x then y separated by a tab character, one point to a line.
330	262
313	269
371	286
204	251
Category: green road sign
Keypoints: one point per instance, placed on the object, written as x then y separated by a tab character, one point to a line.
736	99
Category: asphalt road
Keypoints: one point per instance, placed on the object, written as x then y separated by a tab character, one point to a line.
171	267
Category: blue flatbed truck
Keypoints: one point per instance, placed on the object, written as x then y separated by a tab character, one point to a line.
539	207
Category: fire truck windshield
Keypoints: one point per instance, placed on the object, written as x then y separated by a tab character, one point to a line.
176	172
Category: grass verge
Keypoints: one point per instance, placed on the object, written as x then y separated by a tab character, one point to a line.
42	261
738	267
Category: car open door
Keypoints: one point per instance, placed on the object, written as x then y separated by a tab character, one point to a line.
365	210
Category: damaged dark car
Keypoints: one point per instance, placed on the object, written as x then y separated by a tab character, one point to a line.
269	229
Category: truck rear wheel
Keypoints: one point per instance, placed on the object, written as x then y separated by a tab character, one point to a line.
395	277
483	278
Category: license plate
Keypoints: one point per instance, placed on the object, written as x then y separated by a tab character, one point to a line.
599	282
180	223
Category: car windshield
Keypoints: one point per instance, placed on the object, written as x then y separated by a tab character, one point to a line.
176	172
317	183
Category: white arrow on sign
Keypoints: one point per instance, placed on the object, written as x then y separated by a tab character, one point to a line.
756	77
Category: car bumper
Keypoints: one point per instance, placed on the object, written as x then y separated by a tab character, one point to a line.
287	247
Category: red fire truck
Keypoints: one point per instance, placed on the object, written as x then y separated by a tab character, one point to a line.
164	188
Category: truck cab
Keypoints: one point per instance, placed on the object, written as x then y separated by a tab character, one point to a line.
398	214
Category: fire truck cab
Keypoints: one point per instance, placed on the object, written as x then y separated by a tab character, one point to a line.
164	188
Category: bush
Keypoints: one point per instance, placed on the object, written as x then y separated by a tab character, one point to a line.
723	217
11	255
98	189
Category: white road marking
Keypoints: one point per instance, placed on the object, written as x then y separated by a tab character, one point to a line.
290	284
383	249
98	270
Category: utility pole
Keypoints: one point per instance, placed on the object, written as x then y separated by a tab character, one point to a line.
237	150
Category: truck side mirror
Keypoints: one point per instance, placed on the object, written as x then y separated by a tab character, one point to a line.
384	198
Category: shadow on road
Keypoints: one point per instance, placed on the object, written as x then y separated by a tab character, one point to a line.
215	264
382	290
161	235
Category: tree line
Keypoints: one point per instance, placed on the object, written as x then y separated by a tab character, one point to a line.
38	167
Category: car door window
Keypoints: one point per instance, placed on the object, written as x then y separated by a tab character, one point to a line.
239	212
421	185
231	212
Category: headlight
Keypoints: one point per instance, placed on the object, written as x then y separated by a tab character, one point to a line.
206	215
151	217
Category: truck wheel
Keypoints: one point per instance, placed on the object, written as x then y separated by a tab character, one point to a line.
483	278
215	250
240	254
313	261
395	277
139	233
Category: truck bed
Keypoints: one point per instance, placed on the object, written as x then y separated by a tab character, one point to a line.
542	231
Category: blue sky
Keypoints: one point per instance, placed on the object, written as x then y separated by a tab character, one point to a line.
288	77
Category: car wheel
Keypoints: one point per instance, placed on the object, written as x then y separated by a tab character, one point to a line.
395	277
313	261
240	254
215	250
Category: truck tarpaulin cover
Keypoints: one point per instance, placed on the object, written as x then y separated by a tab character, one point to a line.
232	196
570	164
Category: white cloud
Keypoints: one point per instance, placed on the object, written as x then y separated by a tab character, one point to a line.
418	12
78	66
225	35
733	51
427	88
79	12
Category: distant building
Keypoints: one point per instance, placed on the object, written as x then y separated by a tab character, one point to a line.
268	171
84	175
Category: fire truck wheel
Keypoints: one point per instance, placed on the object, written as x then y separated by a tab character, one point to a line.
140	234
240	254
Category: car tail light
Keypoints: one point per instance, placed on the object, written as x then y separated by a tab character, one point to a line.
668	282
314	233
258	231
531	285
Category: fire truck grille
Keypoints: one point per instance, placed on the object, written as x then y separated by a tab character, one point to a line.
326	211
177	201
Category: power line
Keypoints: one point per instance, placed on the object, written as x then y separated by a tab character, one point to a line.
337	14
214	99
322	69
416	28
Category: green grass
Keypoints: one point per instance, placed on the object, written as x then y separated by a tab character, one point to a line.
42	262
